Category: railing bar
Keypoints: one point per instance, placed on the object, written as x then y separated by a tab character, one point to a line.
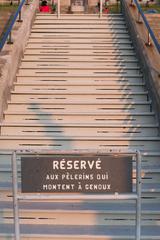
27	152
6	34
148	26
139	201
15	198
77	197
100	8
58	8
30	152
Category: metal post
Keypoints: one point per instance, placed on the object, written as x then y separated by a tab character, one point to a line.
100	8
131	3
148	43
139	18
15	199
58	9
27	2
20	15
138	201
121	6
10	38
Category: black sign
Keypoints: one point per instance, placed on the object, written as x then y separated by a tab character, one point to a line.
77	174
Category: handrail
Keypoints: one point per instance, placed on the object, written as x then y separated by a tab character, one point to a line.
150	31
8	32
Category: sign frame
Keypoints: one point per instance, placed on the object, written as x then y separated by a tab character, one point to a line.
131	196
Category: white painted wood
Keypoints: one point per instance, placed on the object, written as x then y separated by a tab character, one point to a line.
81	117
61	130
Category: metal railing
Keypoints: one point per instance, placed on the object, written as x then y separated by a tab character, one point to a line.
151	34
92	197
7	37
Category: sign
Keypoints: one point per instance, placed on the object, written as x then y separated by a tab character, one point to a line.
77	174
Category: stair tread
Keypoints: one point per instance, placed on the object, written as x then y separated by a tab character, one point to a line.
83	207
85	113
80	83
80	138
50	124
44	230
64	91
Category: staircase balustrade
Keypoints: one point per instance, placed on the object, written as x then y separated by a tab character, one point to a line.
16	17
141	16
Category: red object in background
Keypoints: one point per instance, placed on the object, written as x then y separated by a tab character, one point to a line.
44	9
106	10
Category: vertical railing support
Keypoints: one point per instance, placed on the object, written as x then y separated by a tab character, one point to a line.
121	6
27	2
139	18
10	38
20	17
100	8
139	201
20	14
15	199
58	8
131	3
148	43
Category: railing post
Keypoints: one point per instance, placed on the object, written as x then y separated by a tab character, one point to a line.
15	199
10	38
58	9
139	18
27	2
138	190
121	6
131	3
20	17
101	8
148	43
20	14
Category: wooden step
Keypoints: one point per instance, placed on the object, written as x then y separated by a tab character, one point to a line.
78	73
52	129
72	90
74	40
81	117
81	79
79	59
80	106
78	232
110	84
47	213
80	17
77	65
45	21
79	29
88	51
95	27
75	143
69	98
86	35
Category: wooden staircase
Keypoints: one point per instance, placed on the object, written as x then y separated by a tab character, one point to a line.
80	87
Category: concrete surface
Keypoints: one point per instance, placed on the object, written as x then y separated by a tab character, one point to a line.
148	55
11	55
